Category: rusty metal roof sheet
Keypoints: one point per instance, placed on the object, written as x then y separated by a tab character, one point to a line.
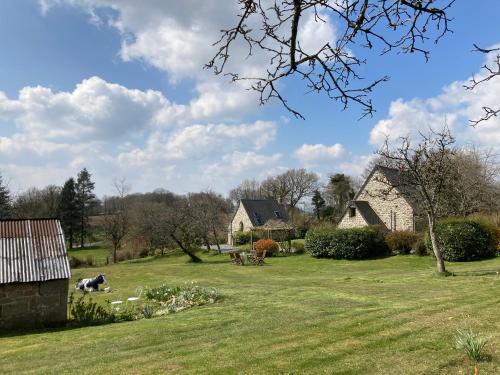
32	250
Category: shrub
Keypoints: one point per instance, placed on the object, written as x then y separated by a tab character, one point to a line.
270	246
401	242
298	246
83	312
241	238
472	344
90	260
419	247
355	243
148	311
463	240
300	231
75	262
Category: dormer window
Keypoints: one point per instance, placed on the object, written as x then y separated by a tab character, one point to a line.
278	215
258	218
352	211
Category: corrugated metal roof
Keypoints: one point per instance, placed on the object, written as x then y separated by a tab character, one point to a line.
32	250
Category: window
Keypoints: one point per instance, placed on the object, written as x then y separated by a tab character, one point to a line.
277	214
258	218
352	211
241	226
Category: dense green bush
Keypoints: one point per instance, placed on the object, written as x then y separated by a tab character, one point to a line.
419	247
242	238
298	247
401	241
300	231
355	243
463	240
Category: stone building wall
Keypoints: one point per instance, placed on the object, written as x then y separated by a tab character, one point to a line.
240	216
352	222
393	210
25	305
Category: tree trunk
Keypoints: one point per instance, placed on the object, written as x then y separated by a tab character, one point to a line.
435	246
193	257
114	254
217	242
71	238
207	244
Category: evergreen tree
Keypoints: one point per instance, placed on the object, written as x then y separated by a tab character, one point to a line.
85	199
4	200
338	193
318	203
68	210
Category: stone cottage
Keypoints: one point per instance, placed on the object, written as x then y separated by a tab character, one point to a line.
380	202
34	273
254	213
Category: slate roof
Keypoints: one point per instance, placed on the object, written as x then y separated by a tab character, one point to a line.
396	179
366	211
262	210
32	250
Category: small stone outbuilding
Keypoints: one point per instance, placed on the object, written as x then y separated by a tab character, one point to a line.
381	201
34	273
252	214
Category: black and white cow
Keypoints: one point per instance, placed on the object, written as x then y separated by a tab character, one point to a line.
90	285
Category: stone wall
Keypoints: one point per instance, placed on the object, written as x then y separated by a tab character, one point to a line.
352	222
240	217
393	210
26	305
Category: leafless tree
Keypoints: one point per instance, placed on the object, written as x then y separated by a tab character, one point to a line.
273	28
276	187
491	71
301	184
474	185
424	169
181	226
248	189
116	222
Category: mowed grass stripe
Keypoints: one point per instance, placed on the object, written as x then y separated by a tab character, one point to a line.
294	315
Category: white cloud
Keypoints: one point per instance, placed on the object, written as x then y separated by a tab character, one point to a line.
238	162
319	153
199	141
96	109
455	106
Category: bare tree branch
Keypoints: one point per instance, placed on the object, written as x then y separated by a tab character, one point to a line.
333	69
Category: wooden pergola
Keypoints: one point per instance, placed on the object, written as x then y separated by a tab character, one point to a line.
275	228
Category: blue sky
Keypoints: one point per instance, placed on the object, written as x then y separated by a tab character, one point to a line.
118	87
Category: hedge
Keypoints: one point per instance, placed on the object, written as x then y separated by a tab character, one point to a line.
401	241
355	243
242	238
463	240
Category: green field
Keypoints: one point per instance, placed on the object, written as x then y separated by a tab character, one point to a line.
98	254
294	315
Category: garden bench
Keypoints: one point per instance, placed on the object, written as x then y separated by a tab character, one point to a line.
235	258
258	260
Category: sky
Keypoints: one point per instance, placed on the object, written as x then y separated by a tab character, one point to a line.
118	87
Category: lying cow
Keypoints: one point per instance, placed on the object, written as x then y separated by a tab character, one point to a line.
90	285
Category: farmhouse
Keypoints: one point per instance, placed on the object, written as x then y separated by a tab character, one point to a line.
254	213
380	202
34	273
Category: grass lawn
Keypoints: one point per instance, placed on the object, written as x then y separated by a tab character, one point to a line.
99	254
294	315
